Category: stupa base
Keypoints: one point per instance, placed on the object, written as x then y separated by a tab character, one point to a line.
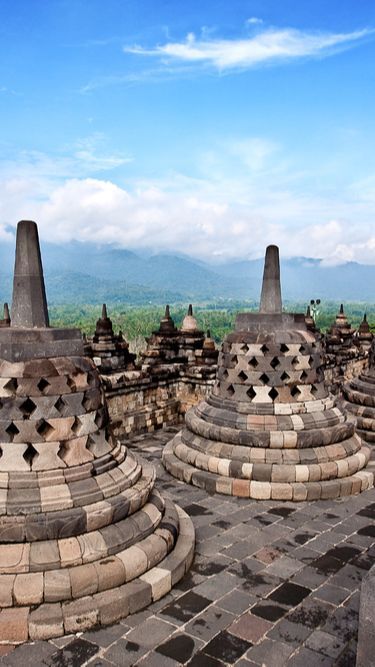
209	473
125	584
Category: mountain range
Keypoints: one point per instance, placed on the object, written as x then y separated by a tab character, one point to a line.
86	273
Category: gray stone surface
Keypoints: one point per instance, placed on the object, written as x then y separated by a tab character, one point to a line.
366	634
319	629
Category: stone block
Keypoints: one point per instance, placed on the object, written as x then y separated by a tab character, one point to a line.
57	585
84	580
160	581
13	625
6	589
70	551
28	588
46	622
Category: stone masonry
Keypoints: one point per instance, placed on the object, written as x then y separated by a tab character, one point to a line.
85	538
270	429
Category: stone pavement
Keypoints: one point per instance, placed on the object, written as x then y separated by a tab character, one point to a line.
272	584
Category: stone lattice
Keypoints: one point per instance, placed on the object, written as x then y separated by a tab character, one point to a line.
270	429
85	538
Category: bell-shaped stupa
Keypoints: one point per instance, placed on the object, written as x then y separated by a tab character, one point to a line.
85	539
270	429
359	395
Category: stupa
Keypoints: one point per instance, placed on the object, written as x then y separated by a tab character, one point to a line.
109	351
85	538
359	395
270	429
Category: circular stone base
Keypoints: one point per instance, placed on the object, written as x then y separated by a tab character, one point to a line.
22	623
214	482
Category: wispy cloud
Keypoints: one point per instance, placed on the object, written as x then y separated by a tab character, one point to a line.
268	46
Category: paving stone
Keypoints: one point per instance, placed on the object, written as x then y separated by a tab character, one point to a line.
237	601
186	607
307	657
29	655
124	653
227	647
180	647
77	653
250	627
209	623
103	637
202	659
150	633
289	594
289	633
272	653
323	642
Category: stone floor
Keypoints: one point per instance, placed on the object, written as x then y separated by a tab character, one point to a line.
272	584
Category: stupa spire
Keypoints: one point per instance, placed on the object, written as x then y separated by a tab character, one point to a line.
270	300
29	305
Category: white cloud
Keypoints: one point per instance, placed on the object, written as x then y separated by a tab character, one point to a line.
246	197
254	20
269	46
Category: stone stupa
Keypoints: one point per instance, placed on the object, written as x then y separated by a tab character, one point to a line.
85	538
359	399
270	429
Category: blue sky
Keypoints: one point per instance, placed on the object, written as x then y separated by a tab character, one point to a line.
211	128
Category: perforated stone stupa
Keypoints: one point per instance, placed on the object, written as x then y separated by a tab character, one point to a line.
85	538
270	429
359	395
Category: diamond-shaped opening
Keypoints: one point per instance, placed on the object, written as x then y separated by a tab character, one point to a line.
71	384
27	408
295	391
43	384
313	389
11	385
90	443
273	393
1	452
264	378
60	405
225	374
275	363
303	375
218	384
302	349
29	454
76	425
62	450
251	393
311	361
284	348
295	361
245	348
44	428
234	359
253	362
264	349
284	376
99	419
230	390
242	376
12	430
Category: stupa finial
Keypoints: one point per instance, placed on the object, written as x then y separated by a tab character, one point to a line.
270	300
29	305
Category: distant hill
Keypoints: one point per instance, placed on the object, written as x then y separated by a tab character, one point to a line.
87	273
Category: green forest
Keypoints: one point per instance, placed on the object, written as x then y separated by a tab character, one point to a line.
219	318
